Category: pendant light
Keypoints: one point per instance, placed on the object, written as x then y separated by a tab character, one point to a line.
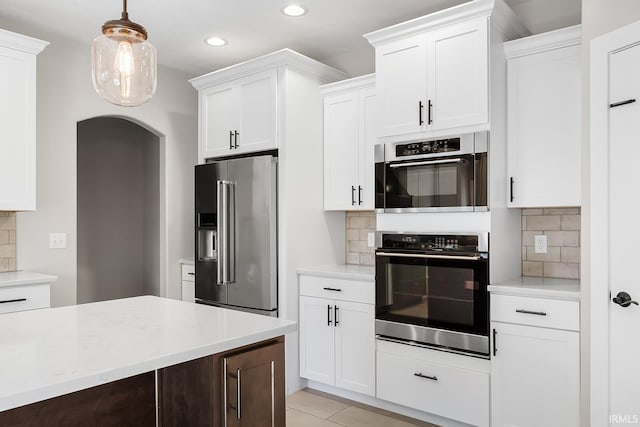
123	62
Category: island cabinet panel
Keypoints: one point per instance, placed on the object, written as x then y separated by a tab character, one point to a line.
205	392
130	402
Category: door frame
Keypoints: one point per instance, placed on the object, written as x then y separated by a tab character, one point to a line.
601	49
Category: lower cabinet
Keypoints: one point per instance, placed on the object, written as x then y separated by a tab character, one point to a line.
535	371
440	383
24	297
242	387
188	272
337	342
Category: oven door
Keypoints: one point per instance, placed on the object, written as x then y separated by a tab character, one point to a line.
434	184
439	300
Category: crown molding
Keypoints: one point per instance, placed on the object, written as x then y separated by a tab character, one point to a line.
22	43
349	84
556	39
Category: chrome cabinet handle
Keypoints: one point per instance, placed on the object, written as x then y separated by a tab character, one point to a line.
427	377
6	301
537	313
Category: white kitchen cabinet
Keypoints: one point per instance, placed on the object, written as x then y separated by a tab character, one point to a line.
544	119
18	121
434	81
239	116
337	337
188	272
349	138
535	370
23	290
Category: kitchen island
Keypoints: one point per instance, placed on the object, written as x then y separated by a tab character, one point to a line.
126	362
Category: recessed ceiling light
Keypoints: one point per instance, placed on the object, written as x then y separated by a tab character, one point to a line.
216	41
294	10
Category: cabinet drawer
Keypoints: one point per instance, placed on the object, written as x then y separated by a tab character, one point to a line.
188	273
338	289
547	313
437	388
25	297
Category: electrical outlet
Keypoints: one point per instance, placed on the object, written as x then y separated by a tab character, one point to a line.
371	240
540	244
57	240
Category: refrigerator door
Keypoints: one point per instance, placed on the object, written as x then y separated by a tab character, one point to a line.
256	278
208	256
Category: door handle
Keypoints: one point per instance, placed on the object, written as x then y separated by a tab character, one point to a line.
353	195
359	195
329	321
623	299
420	108
428	377
335	316
230	140
511	180
429	118
621	103
236	133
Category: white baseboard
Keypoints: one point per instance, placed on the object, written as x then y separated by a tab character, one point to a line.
383	404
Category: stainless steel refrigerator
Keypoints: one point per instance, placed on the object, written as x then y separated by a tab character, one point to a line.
236	234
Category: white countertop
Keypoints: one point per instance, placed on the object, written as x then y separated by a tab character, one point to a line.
189	261
51	352
341	271
16	278
539	287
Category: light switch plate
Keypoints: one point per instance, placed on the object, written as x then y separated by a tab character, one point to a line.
57	240
540	242
371	239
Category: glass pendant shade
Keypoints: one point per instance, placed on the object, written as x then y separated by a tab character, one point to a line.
124	63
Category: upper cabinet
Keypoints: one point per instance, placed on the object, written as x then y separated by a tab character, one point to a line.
261	104
349	138
18	121
544	107
239	116
434	81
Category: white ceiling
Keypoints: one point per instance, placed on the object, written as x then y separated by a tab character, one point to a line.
330	32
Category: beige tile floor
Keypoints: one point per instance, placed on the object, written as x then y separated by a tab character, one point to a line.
310	408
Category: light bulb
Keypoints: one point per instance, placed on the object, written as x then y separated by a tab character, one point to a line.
124	67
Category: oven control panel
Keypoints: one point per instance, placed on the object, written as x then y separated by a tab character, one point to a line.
458	243
428	147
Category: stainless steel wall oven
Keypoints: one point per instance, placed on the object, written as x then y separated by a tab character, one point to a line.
431	289
446	175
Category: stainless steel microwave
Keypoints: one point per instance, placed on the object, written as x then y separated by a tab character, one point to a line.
440	175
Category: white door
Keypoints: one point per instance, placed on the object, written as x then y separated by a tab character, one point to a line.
457	70
341	151
624	205
401	83
535	377
368	136
317	340
257	126
218	120
355	347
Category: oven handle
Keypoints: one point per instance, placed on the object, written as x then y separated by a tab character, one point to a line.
426	163
470	258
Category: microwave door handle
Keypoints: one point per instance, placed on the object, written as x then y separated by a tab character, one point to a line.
427	163
469	258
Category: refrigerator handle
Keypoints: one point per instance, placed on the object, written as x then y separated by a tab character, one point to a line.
231	233
221	235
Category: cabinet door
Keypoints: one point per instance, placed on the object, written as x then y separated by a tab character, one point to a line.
254	389
401	83
368	119
257	126
535	377
355	347
544	128
17	130
457	73
341	151
316	340
218	118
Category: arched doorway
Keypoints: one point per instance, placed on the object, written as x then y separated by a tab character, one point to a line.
118	177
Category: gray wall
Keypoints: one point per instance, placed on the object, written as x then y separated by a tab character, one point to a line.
118	210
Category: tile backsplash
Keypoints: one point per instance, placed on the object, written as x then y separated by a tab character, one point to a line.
562	228
7	241
359	225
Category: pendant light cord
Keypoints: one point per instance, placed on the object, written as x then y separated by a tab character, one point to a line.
125	15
